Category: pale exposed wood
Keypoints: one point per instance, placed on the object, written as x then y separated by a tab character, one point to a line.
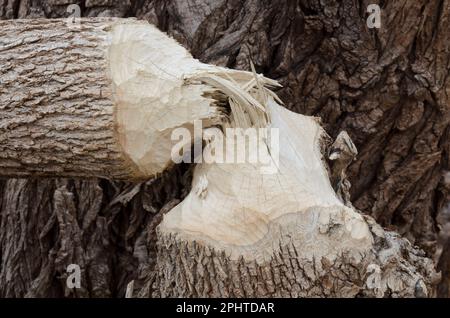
246	210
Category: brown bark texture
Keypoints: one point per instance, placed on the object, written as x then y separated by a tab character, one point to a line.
392	268
388	88
57	116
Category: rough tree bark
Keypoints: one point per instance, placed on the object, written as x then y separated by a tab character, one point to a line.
64	126
388	88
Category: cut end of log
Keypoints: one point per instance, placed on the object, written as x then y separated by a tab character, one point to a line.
159	87
147	71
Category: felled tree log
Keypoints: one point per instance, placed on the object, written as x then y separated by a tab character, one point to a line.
77	103
239	232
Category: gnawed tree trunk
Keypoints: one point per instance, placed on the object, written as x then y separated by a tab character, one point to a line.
313	48
241	231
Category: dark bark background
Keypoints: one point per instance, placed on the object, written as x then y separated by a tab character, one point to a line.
389	88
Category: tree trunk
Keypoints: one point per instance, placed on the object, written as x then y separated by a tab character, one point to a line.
386	87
